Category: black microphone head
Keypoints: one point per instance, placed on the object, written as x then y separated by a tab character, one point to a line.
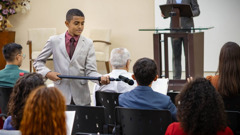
126	80
130	82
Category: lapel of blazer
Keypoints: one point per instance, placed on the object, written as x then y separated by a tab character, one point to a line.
63	46
78	48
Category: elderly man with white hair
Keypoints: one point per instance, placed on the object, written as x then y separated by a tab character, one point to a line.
120	61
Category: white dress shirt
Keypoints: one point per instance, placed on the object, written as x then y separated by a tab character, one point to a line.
115	86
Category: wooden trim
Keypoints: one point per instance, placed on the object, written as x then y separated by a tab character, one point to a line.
29	43
108	43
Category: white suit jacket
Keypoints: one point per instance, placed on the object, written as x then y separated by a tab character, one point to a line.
83	63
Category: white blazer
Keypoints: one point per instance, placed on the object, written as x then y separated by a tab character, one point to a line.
83	63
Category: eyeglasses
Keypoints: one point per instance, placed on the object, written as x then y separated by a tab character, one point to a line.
23	55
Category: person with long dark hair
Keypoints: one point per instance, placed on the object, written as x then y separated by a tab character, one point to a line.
200	111
227	79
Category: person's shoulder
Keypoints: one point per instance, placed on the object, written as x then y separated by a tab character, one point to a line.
165	97
227	131
174	128
24	71
87	40
210	77
123	95
56	37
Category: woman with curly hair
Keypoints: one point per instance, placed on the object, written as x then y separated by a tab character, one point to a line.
44	113
200	111
21	90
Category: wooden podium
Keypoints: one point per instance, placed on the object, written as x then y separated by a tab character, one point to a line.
5	38
194	56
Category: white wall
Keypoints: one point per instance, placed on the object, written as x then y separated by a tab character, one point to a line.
124	17
223	15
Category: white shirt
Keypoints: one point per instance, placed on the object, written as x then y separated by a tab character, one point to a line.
178	1
115	86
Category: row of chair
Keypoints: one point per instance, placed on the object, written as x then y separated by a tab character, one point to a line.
110	101
106	103
89	119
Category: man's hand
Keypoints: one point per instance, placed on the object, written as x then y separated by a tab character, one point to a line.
105	80
53	76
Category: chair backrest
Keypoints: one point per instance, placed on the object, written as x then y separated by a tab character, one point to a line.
109	101
234	121
39	37
4	98
142	122
172	95
232	103
101	40
88	119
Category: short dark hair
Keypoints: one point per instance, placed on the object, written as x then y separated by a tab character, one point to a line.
11	50
73	12
200	108
145	70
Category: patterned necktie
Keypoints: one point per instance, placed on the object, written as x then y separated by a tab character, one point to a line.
72	48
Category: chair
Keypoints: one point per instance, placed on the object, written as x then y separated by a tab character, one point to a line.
4	98
234	121
109	101
88	119
101	42
172	95
37	38
142	122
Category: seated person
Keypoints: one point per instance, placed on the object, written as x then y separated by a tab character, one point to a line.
44	113
143	96
23	87
119	61
13	55
200	111
227	79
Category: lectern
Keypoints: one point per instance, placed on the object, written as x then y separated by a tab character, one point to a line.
193	48
175	11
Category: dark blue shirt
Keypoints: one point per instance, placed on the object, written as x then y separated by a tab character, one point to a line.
143	97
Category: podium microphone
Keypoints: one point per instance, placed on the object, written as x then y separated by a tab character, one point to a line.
126	80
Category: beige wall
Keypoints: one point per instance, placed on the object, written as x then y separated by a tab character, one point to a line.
124	17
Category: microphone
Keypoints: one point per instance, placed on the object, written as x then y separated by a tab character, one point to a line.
126	80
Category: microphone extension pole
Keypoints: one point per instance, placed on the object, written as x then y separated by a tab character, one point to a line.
85	78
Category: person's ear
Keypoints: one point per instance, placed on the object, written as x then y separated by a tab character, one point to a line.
127	64
67	23
133	77
17	57
156	77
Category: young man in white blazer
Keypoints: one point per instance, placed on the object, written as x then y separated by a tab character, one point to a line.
73	54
